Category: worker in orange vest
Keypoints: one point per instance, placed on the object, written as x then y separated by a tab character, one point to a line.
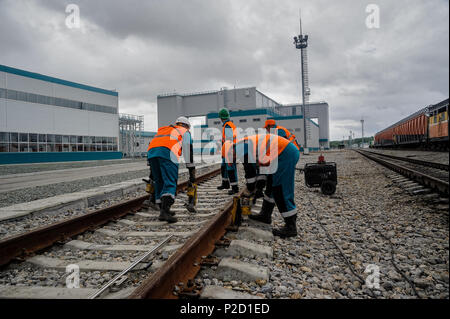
279	157
228	170
271	127
164	152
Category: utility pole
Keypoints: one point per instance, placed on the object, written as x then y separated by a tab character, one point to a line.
301	42
362	132
350	140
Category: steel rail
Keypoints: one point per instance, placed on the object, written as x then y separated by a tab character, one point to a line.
21	245
134	264
424	179
414	161
185	263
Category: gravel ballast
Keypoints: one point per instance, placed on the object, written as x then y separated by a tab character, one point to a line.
342	238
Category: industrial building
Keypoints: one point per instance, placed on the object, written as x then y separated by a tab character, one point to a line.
249	108
46	119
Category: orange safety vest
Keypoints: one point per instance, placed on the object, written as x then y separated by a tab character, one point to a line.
264	152
169	136
291	137
233	127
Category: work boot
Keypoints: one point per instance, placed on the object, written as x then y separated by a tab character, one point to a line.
289	229
265	215
259	193
234	190
165	213
152	203
225	185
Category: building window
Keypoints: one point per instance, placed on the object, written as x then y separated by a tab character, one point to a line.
22	96
23	137
33	142
51	148
33	147
11	95
297	130
14	137
256	120
23	147
243	121
4	137
217	123
42	99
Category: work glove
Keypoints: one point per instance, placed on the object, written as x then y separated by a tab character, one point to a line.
191	174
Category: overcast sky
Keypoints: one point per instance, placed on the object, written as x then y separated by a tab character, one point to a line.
145	48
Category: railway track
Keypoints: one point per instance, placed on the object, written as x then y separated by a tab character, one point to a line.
107	241
431	175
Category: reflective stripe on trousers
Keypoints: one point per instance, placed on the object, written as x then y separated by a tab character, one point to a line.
229	172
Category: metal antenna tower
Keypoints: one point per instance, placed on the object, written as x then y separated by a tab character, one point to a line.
362	132
301	42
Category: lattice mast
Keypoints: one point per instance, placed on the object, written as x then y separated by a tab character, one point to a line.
362	132
301	42
131	133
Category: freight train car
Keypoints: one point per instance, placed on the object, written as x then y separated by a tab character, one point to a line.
427	129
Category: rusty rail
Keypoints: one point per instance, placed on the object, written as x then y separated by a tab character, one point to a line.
439	185
413	161
25	244
185	263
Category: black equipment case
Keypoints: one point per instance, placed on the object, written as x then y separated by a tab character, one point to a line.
323	175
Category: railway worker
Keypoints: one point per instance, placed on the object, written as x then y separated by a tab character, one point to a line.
164	152
280	157
228	170
271	127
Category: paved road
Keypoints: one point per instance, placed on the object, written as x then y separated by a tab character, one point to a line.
19	181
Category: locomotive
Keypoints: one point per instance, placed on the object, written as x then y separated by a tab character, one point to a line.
424	129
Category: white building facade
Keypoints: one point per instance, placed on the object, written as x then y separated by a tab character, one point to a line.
46	119
249	108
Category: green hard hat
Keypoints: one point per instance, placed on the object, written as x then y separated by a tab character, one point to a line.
224	114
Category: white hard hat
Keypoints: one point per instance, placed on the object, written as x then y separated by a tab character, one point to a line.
184	120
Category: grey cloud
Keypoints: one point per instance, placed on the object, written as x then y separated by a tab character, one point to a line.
144	48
